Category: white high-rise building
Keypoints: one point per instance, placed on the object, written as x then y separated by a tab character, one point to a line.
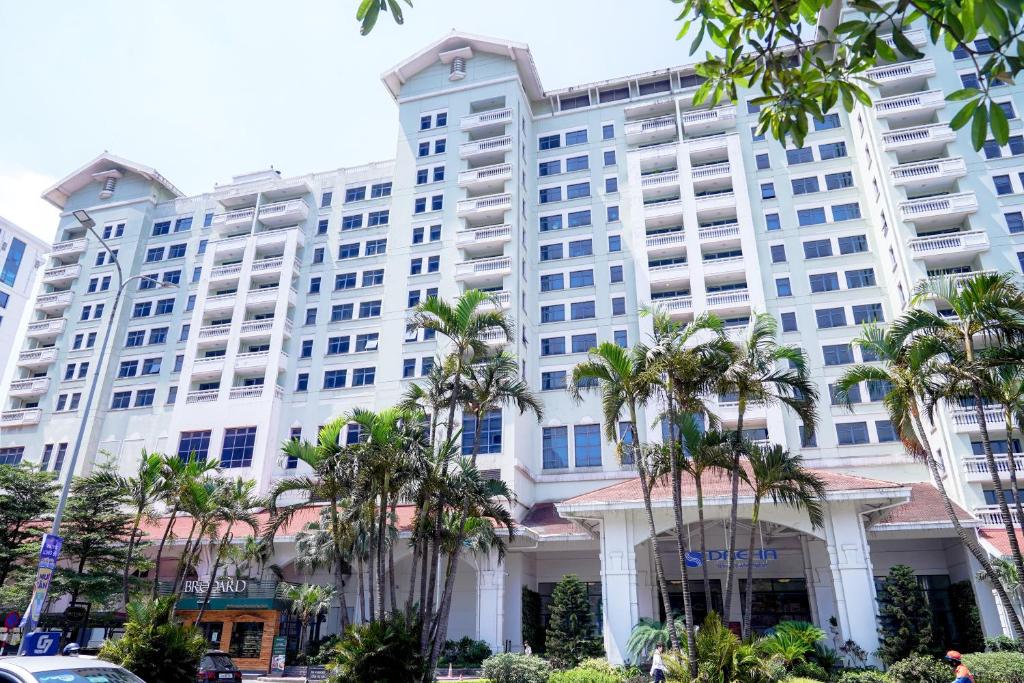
289	296
21	255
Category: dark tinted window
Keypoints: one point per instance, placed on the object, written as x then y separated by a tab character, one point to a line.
87	675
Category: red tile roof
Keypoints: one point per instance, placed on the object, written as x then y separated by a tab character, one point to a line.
925	506
543	519
715	485
999	540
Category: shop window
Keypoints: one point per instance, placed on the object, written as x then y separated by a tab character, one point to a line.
246	640
776	600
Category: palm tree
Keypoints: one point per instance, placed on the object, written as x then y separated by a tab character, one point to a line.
902	371
620	376
1005	575
703	452
179	475
200	503
989	306
753	375
236	504
777	474
1006	386
331	482
308	604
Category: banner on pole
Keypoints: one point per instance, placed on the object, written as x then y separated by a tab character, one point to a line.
48	554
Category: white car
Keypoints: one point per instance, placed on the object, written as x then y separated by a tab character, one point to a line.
62	670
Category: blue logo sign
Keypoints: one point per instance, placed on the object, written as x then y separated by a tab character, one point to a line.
41	644
760	558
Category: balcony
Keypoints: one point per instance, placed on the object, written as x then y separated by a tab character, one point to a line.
259	328
46	330
257	360
230	248
930	176
494	337
61	275
708	172
37	358
718	267
220	302
651	131
207	366
916	37
276	239
649	107
922	142
484	271
488	150
952	246
213	333
965	419
204	396
502	300
69	248
912	75
495	118
283	213
264	296
35	386
676	306
731	301
989	515
486	178
54	302
657	156
658	185
709	148
959	278
483	239
492	207
976	468
230	271
728	233
709	120
235	218
911	109
666	243
664	213
668	274
21	418
941	209
717	205
268	265
256	391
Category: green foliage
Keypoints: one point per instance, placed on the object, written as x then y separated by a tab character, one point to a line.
966	617
648	634
827	658
533	625
323	650
996	667
919	669
510	667
464	653
906	622
386	651
862	676
803	679
26	495
811	670
723	658
581	675
792	641
369	11
1004	644
154	647
571	635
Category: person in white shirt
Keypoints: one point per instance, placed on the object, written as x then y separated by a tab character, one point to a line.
527	650
658	669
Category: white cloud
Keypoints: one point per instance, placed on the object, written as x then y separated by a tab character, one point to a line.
21	204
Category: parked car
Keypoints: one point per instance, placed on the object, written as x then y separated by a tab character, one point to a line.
218	666
62	670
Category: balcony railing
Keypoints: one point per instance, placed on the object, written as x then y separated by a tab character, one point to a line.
214	331
711	171
977	465
989	515
289	210
33	386
926	170
666	240
674	304
485	118
716	200
484	266
494	202
657	124
262	295
730	298
204	396
721	114
882	75
708	143
660	179
263	265
68	247
21	418
913	137
941	206
967	417
54	300
228	270
496	172
62	273
500	143
662	209
236	217
491	233
916	37
494	336
726	263
657	153
42	328
719	232
257	326
255	359
900	104
37	356
955	242
256	391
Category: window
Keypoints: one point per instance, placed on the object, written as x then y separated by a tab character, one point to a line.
318	255
344	281
311	316
144	397
302	381
553	380
867	313
812	216
372	278
579	163
763	162
805	185
852	433
581	310
334	379
886	432
772	222
611	185
367	342
615	273
157	335
164	307
378	218
830	317
551	252
609	157
341	312
767	190
788	321
576	137
581	248
555	448
837	354
121	400
552	346
824	282
1002	183
549	142
139	310
128	368
817	249
801	155
176	251
621	338
581	278
618	305
490	433
829	122
433	264
838	181
1014	222
408	368
194	446
832	150
587	445
853	244
778	252
151	366
574	102
548	223
378	190
159	228
878	389
608	129
553	313
853	395
552	282
863	277
783	287
11	455
369	309
336	345
546	168
440	145
154	254
845	212
614	243
579	219
306	350
581	343
550	194
238	447
611	214
363	377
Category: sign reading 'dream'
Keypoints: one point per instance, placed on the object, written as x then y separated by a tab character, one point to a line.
225	585
720	558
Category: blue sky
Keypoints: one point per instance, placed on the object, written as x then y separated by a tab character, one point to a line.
202	90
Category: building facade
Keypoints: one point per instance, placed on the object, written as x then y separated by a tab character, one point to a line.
285	300
21	256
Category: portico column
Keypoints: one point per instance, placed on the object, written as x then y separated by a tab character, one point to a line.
618	583
490	602
990	610
852	576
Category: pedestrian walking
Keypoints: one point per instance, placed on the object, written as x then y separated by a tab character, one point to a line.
658	669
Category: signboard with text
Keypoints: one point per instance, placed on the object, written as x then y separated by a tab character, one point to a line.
48	554
720	558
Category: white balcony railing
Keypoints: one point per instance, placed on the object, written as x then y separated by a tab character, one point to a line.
976	467
731	298
21	418
939	206
668	272
501	143
916	37
927	170
646	126
207	363
236	217
268	264
989	515
204	396
663	209
262	295
657	153
674	304
719	232
221	301
965	417
289	210
62	273
255	359
43	328
666	178
708	116
490	203
488	234
34	386
972	240
484	266
891	73
219	272
670	239
255	391
37	356
68	247
909	138
214	331
715	201
54	300
257	326
711	171
901	104
494	336
485	174
727	263
485	118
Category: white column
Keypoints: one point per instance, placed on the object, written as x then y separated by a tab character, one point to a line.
990	610
822	583
619	583
514	581
852	576
490	603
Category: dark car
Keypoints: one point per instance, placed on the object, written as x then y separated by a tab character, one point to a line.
217	666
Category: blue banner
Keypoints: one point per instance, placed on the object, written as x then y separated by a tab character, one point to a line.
48	554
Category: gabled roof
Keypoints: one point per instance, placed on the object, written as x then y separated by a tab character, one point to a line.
518	52
924	507
59	193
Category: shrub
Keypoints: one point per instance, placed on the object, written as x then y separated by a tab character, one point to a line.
803	679
862	676
919	669
581	675
1004	644
827	658
383	651
154	647
996	667
464	653
906	622
810	670
571	636
966	617
511	667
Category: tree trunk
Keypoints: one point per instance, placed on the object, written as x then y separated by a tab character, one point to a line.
659	570
1011	467
677	509
391	557
371	577
160	550
990	458
131	551
362	588
179	572
730	560
413	569
339	561
224	542
748	607
965	539
382	541
703	546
